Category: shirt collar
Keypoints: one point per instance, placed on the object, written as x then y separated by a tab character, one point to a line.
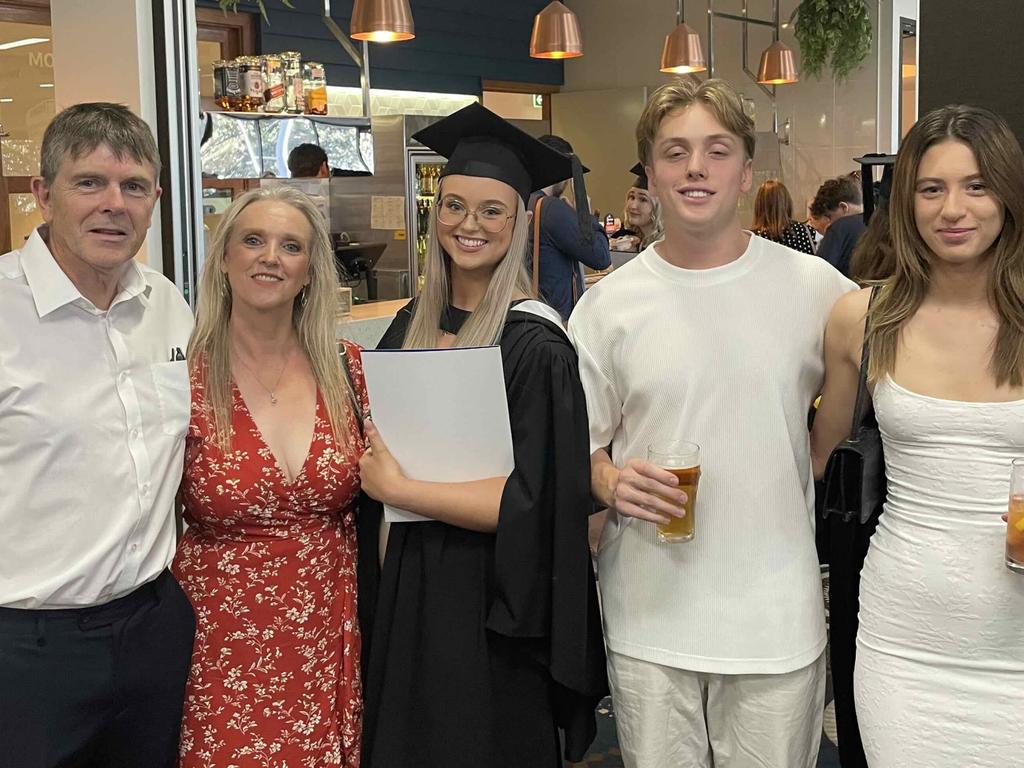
52	289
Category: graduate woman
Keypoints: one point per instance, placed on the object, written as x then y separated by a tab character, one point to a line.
486	638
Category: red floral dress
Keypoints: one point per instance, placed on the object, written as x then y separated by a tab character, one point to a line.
270	568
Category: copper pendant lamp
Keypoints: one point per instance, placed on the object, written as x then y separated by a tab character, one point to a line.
382	21
682	52
556	34
777	65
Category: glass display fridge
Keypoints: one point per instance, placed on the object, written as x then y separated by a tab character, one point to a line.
423	174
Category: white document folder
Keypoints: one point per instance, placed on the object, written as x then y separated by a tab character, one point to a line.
442	413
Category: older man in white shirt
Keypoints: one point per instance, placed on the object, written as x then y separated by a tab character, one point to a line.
95	634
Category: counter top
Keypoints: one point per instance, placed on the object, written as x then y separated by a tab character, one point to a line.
377	309
367	323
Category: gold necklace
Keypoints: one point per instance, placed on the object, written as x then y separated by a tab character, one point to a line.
270	391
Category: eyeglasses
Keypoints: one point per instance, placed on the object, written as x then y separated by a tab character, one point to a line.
490	217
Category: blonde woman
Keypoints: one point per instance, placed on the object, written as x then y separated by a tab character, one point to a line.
487	639
641	219
271	476
940	642
773	218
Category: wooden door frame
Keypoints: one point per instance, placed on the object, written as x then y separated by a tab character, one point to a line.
236	32
505	86
25	11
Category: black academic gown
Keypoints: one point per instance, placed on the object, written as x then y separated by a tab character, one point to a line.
484	645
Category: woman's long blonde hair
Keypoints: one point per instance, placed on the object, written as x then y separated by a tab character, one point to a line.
484	325
655	230
1001	163
313	317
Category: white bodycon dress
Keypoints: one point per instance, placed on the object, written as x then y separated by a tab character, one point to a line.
940	650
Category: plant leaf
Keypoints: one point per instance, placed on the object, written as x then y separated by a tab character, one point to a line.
836	32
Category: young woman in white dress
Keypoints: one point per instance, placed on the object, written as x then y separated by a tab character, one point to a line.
940	650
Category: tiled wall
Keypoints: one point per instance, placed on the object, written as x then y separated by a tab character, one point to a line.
829	122
348	102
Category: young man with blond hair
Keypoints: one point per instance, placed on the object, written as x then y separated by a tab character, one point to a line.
713	336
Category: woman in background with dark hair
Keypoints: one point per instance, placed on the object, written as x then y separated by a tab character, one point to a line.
773	218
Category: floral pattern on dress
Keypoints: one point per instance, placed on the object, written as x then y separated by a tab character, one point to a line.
270	568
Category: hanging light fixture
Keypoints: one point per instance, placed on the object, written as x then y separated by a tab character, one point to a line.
777	65
556	34
682	52
382	21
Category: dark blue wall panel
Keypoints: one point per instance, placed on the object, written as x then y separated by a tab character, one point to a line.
458	44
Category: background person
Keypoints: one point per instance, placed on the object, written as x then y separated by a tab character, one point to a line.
641	219
308	161
841	201
569	238
773	218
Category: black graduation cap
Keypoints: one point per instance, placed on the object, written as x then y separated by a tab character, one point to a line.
640	172
479	143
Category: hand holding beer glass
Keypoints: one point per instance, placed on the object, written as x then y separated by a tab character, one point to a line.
1015	519
682	459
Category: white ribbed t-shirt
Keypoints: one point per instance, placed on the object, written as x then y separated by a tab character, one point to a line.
729	358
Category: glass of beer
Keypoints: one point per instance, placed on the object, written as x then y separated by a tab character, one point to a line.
1015	519
682	459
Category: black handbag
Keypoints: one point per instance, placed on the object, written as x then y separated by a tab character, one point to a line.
854	479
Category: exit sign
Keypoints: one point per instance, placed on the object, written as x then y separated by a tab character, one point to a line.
538	100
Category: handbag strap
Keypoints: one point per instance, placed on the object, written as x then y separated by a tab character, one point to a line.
357	407
536	246
862	383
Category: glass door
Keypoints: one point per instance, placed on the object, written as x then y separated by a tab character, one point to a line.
26	108
908	75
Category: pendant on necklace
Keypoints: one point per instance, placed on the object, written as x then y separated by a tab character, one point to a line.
273	399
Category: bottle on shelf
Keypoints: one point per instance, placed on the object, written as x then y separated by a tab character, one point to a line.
314	85
250	72
295	103
273	84
227	87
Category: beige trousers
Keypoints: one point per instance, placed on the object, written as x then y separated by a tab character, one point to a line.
674	718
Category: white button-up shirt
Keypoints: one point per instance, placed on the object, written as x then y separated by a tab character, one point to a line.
94	407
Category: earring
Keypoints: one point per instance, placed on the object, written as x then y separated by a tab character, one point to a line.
302	296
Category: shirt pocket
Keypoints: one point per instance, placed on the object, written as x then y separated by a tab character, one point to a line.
173	393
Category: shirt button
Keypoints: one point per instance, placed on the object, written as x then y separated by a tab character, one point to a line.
124	375
135	434
134	547
145	489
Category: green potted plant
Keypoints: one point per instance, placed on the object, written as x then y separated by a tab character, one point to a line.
833	32
232	5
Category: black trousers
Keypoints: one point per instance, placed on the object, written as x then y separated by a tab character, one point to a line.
847	546
98	687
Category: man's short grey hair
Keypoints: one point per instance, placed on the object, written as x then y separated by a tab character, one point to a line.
80	129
